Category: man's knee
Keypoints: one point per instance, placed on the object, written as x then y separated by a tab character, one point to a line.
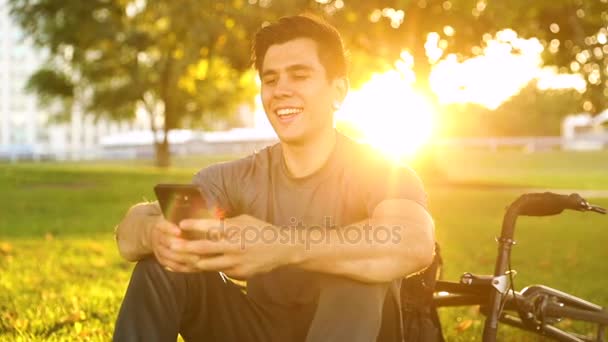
149	264
340	289
147	269
149	272
352	301
347	310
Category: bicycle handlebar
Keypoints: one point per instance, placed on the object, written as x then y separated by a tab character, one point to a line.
533	204
548	203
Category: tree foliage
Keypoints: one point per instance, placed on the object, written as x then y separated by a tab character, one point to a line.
531	112
180	60
188	60
573	32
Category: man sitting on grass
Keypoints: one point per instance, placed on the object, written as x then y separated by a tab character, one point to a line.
320	226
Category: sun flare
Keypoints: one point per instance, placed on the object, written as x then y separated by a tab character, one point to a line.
389	115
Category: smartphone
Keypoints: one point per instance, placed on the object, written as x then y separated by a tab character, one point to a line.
181	201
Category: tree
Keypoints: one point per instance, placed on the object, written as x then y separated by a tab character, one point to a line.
180	60
573	32
534	112
531	112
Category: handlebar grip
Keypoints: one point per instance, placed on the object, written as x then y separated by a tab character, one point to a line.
548	203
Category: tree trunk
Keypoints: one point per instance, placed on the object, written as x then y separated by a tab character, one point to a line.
163	154
162	148
163	157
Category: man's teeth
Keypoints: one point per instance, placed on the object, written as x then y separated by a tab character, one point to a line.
288	111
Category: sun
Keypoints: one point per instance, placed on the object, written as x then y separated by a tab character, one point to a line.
389	115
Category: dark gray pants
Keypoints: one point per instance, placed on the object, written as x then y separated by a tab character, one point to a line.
204	307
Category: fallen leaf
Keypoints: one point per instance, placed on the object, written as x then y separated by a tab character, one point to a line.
6	248
464	325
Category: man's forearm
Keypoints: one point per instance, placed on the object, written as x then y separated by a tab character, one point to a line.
396	241
401	249
133	232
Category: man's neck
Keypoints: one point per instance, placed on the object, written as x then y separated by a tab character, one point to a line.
304	160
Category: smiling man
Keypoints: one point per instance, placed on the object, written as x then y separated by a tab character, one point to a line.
319	226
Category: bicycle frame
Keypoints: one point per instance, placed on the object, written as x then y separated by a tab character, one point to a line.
537	306
505	242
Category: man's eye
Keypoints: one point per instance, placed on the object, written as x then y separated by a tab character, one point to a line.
300	76
269	80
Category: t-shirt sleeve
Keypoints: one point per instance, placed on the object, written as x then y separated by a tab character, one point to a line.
217	183
394	182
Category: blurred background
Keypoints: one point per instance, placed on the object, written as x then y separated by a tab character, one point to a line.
102	99
132	79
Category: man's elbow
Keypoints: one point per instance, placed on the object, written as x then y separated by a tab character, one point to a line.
125	249
415	260
426	250
130	233
426	255
126	253
420	253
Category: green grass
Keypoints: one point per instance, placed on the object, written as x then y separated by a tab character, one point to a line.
61	277
552	169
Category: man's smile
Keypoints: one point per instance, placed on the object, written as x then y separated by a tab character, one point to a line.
287	114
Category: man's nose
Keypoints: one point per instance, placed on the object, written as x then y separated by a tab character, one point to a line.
283	87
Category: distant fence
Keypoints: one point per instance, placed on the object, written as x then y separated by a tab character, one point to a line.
137	151
528	144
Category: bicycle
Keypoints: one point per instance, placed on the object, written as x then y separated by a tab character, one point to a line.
535	308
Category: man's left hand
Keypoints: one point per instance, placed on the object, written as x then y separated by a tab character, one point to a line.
240	247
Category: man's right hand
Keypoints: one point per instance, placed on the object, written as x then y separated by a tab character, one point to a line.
134	231
144	231
162	235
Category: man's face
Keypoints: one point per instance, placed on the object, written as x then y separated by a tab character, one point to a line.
296	93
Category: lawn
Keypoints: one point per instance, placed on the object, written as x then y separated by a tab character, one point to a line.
62	279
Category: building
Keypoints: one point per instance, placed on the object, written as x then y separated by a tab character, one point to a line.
585	132
25	130
19	118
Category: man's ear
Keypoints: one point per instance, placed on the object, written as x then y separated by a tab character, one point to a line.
341	87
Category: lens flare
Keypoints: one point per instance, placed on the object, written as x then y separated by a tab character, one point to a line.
389	115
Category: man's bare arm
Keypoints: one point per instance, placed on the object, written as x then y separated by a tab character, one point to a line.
247	246
133	233
408	247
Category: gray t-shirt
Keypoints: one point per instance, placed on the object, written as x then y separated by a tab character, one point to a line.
354	180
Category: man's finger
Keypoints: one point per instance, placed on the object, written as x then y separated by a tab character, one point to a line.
168	255
206	247
169	240
167	227
201	225
216	263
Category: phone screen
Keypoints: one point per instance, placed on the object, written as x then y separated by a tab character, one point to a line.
181	201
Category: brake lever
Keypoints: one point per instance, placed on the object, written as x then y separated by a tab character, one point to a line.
590	207
597	209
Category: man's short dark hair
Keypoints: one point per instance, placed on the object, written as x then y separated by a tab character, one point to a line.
329	43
